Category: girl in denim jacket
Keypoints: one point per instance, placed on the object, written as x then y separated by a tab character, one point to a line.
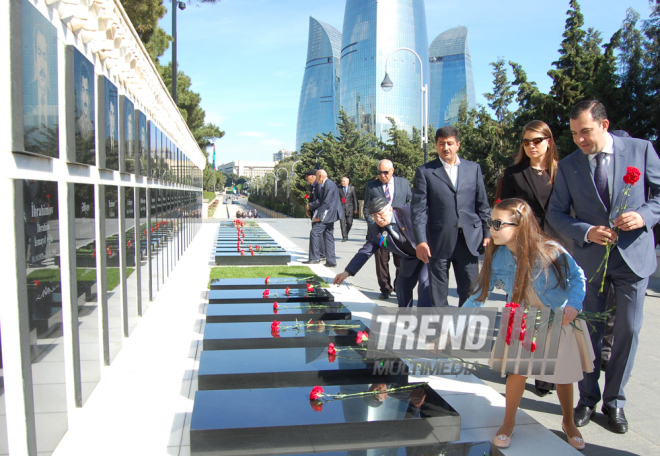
536	271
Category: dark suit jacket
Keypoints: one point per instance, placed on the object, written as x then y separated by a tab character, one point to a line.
402	194
518	182
328	204
437	207
350	196
401	216
575	188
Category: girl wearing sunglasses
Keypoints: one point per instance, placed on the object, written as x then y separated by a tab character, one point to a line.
535	271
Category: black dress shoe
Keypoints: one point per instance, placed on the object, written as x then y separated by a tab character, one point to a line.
583	414
344	240
311	262
330	265
384	295
616	419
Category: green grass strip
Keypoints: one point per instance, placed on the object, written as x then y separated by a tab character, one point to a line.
256	272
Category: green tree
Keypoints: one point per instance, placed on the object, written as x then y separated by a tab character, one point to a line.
406	155
502	96
651	29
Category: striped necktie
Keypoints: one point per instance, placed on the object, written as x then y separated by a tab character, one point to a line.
387	193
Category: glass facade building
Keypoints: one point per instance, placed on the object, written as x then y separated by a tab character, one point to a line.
101	184
318	110
452	78
372	31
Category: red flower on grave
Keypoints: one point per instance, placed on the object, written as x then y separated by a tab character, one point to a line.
36	283
48	195
316	393
332	358
275	328
632	175
242	252
252	252
331	349
275	305
128	244
145	232
362	336
109	251
287	291
310	288
152	229
266	293
317	406
267	280
533	347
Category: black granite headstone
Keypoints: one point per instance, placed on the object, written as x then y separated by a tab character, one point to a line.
296	295
240	336
261	259
286	311
309	366
440	449
270	421
245	284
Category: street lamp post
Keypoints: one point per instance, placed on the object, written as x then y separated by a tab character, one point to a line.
274	175
288	183
181	6
387	85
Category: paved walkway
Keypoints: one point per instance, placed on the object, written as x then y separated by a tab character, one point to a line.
143	403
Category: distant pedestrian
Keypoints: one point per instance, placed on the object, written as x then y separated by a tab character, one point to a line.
349	204
326	210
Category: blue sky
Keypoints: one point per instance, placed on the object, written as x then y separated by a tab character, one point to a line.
247	57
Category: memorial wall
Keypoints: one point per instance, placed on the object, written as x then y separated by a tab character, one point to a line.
101	178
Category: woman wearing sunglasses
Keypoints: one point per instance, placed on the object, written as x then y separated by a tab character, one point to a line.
535	271
531	178
533	173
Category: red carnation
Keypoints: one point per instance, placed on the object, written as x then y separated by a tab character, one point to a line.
332	358
343	200
306	197
331	349
287	291
310	288
266	293
362	336
275	305
316	393
267	280
36	283
632	175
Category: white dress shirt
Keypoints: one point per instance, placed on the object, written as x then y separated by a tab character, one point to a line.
452	171
608	162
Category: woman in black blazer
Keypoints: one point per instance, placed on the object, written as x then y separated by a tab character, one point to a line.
531	178
533	174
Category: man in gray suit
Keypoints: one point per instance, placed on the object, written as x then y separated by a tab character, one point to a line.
590	181
349	203
397	191
449	212
326	210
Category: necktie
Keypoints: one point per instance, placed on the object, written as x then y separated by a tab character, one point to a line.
345	190
600	179
393	232
387	193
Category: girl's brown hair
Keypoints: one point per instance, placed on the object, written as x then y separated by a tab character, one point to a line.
533	251
551	156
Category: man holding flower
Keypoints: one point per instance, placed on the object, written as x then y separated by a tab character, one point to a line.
612	184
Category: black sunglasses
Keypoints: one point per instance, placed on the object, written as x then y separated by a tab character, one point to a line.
497	224
384	172
536	141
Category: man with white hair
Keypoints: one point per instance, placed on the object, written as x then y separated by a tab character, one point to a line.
326	211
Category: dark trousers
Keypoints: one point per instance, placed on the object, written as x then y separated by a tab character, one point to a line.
346	223
629	292
321	246
322	234
404	286
466	269
382	258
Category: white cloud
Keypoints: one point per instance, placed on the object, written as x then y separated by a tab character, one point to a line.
252	134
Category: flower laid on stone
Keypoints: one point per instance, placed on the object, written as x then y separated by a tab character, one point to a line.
266	293
362	336
629	179
242	252
275	328
275	305
310	288
311	325
36	283
267	278
331	349
318	396
316	393
287	291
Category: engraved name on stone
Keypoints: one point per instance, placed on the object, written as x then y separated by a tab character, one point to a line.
41	211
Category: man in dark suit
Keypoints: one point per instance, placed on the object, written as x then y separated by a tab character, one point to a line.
310	178
397	191
393	230
449	212
326	211
349	204
590	182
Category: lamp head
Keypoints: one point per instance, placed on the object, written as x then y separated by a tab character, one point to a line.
387	83
181	5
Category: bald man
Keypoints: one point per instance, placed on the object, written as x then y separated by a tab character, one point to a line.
397	192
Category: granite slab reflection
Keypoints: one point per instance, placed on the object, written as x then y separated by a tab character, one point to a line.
308	366
264	311
297	295
260	283
440	449
240	336
279	420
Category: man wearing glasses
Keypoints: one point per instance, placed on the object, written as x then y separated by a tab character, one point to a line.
449	212
396	190
392	229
